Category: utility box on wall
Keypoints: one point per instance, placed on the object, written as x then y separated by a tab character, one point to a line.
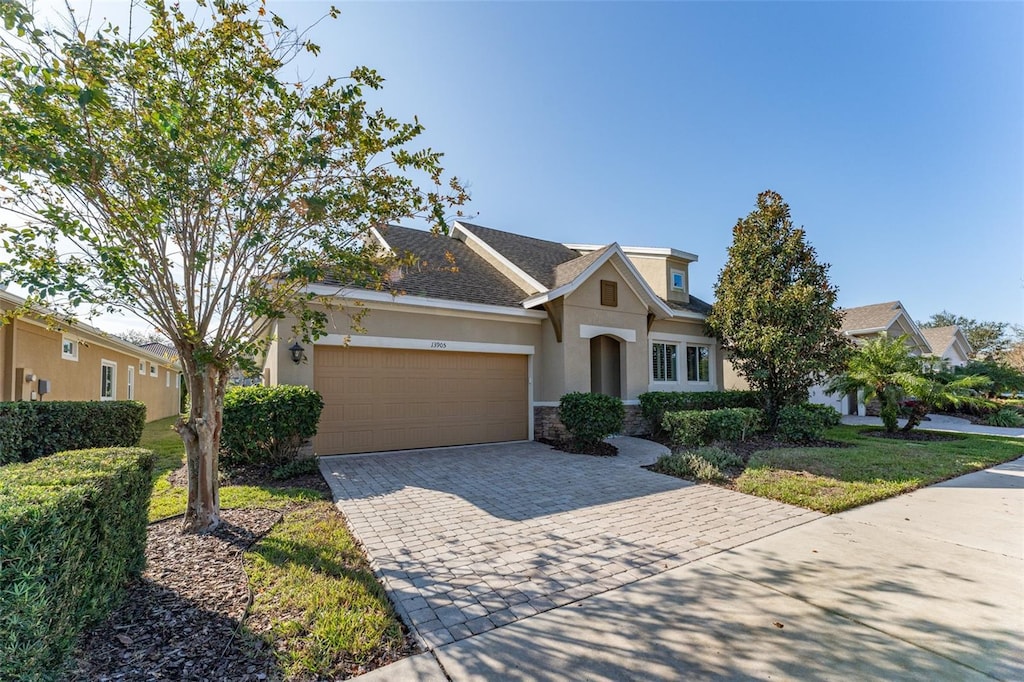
44	387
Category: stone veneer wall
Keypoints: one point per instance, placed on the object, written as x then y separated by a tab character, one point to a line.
546	423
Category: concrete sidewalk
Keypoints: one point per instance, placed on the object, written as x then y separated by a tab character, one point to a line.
929	585
942	422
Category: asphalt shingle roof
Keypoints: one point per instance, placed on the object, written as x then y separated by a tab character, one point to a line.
939	338
448	269
571	269
875	316
538	258
694	306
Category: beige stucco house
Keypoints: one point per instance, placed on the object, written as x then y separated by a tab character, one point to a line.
479	338
80	362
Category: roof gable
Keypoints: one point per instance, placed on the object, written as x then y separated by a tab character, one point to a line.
611	253
446	268
942	338
538	259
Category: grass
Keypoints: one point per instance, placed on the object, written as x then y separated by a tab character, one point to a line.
169	500
834	479
316	598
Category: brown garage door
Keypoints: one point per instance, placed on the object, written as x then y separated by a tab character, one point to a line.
385	399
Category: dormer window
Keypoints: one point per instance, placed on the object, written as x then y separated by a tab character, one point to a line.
678	280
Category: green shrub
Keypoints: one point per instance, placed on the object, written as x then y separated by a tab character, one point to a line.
1007	417
655	404
806	422
72	534
702	464
36	429
700	427
298	467
266	425
591	417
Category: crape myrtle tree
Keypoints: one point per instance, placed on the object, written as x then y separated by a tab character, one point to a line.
175	173
774	310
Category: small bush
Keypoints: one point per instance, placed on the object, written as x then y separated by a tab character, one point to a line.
702	464
655	404
806	422
1006	417
36	429
700	427
591	417
72	534
266	425
298	467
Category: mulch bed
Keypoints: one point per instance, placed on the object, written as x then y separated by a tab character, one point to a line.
915	435
602	449
182	620
259	477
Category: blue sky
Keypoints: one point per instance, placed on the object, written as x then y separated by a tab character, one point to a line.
895	131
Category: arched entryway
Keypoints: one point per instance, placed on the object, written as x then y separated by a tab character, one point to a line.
606	365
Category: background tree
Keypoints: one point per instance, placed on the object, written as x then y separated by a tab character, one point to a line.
174	173
774	310
986	338
143	338
884	368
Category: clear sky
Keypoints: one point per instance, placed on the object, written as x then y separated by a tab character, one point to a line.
895	131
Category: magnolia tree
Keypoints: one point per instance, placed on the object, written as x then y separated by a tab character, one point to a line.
774	310
174	173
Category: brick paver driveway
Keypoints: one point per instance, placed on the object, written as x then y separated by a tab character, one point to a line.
468	539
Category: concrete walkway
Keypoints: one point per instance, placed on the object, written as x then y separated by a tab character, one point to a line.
941	422
929	585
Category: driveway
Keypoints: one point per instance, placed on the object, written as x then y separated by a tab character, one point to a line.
942	422
469	539
929	585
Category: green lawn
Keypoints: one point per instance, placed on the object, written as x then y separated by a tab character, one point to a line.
833	479
316	598
168	500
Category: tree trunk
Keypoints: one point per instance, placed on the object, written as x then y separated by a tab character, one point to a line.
201	435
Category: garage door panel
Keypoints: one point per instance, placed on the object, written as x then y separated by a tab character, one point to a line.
387	399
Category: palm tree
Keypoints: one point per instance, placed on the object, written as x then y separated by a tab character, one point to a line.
884	368
873	369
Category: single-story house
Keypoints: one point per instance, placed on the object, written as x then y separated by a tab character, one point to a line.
948	344
860	324
477	340
863	324
80	362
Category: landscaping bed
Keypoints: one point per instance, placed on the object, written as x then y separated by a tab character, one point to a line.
851	467
280	591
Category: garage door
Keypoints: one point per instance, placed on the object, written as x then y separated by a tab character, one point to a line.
385	399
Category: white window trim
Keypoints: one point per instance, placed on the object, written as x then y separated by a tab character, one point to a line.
113	379
131	382
73	356
682	384
142	367
672	280
154	370
167	379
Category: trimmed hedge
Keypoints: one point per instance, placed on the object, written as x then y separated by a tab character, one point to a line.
655	404
700	427
266	425
72	534
806	422
591	417
36	429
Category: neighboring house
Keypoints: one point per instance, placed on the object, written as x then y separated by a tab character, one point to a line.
866	323
949	344
81	362
478	339
860	324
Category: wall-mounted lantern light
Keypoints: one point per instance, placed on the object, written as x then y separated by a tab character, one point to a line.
298	353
